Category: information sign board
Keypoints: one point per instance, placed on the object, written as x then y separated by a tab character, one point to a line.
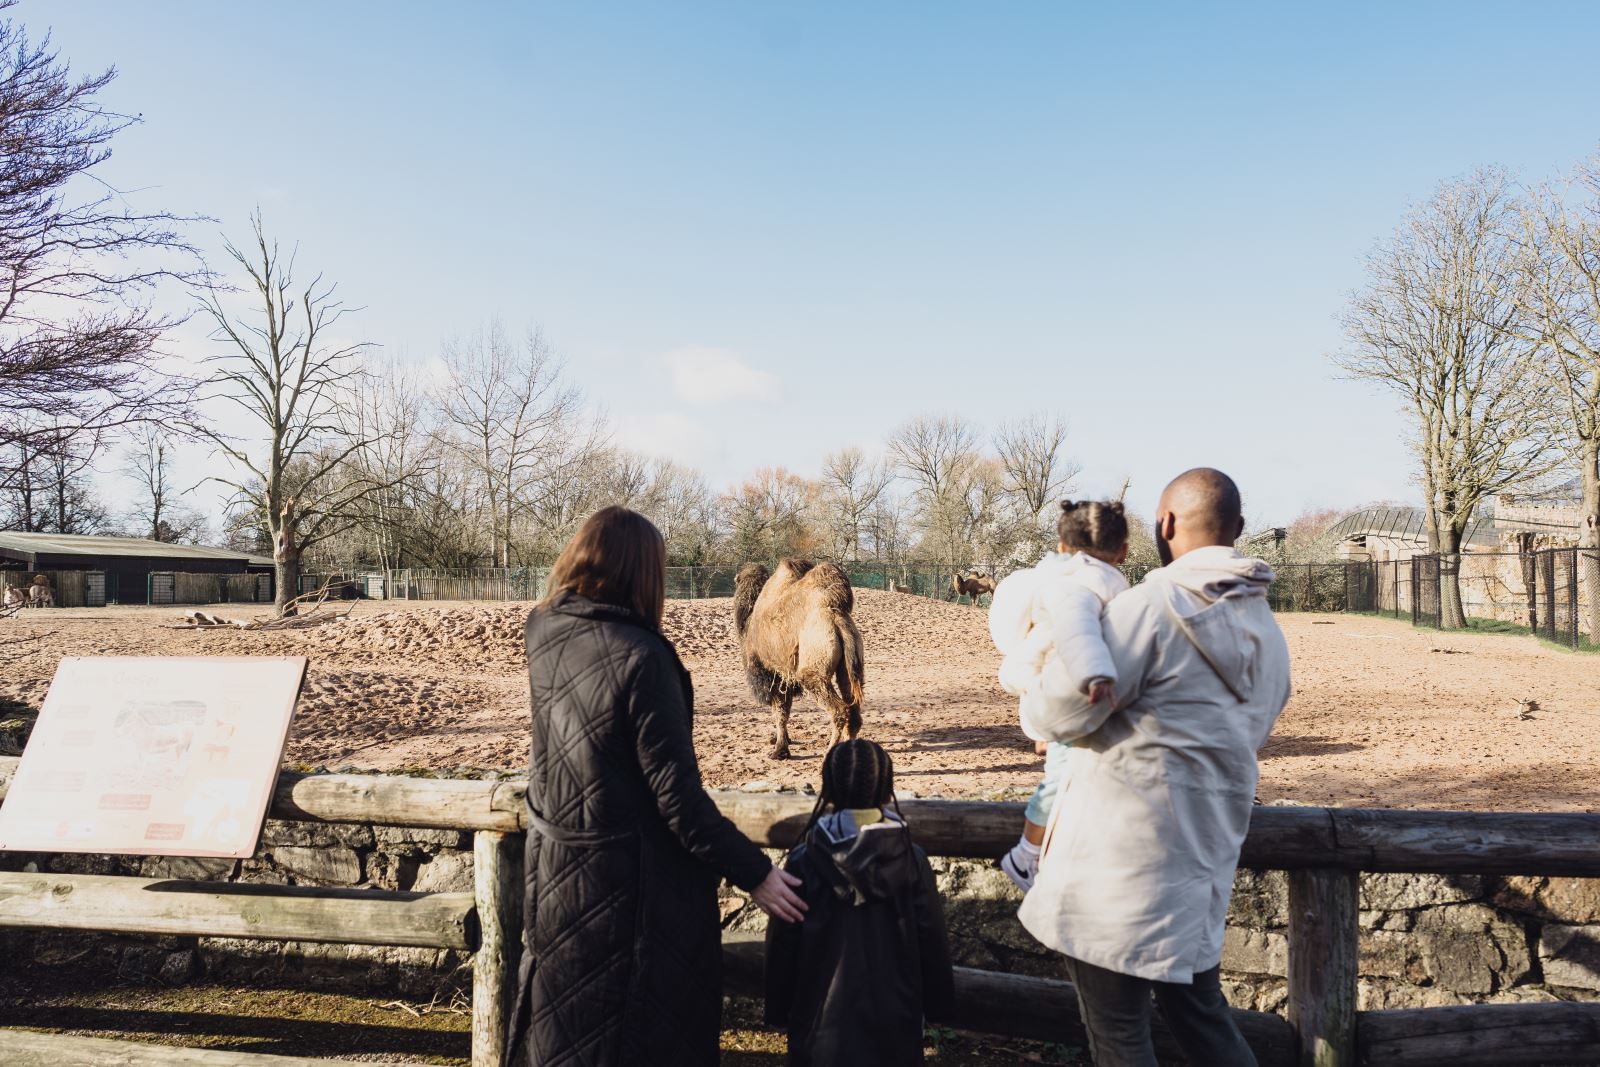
156	756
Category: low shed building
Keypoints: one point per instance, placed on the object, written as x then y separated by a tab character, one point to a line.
88	571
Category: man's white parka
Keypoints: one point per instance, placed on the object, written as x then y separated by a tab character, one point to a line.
1144	837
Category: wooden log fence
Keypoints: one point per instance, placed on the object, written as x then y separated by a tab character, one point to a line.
170	907
1324	850
24	1049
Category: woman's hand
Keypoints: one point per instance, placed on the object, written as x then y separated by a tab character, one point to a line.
776	896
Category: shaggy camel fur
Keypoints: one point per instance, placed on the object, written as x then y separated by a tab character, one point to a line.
795	632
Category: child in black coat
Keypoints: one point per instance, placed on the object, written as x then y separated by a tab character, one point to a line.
854	981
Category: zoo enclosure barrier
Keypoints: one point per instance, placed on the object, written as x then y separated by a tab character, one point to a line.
1551	591
683	583
1322	849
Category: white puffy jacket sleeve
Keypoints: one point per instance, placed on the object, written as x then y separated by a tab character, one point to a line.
1074	612
1011	610
1058	709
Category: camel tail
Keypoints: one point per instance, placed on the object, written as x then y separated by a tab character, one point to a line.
852	672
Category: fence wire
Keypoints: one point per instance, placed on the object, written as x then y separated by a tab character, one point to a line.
1550	592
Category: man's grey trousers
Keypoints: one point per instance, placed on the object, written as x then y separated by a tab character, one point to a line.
1116	1012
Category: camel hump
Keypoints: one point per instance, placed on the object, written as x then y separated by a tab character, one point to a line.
796	568
834	584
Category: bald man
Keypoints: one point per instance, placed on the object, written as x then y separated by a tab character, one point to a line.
1139	858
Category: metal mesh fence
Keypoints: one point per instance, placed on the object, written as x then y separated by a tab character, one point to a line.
1550	592
1567	581
683	583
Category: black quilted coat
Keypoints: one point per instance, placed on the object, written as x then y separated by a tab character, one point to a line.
625	851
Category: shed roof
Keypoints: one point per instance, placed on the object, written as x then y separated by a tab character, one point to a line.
1406	524
93	545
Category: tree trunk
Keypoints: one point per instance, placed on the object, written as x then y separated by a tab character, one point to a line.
1452	615
287	568
1430	508
1589	538
1530	577
286	558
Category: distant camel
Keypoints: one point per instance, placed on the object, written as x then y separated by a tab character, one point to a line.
795	632
972	584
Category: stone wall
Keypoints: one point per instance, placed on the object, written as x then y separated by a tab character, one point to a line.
1432	940
1425	939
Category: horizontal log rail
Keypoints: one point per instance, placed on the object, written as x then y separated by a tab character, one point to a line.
26	1049
1502	1035
244	910
1040	1009
1281	838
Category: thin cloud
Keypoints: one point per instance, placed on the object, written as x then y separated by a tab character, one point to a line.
668	435
707	377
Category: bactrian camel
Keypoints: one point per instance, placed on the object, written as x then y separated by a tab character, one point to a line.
795	633
972	584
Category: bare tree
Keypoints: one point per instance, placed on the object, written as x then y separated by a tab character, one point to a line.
1436	327
1030	454
685	509
47	486
1559	285
766	516
294	384
447	527
851	486
516	421
387	420
939	456
78	337
159	511
933	451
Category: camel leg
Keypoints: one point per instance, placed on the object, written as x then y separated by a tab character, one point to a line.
846	718
780	725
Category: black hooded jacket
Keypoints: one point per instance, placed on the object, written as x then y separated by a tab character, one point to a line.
854	981
623	957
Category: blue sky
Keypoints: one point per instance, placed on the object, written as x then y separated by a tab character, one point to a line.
1144	218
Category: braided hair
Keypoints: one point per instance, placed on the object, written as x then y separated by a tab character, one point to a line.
855	774
1098	527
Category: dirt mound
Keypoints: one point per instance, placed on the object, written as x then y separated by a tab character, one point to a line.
895	624
458	636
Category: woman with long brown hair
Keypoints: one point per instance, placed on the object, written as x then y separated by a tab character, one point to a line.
622	943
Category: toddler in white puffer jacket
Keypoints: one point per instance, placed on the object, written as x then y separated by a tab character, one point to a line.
1045	621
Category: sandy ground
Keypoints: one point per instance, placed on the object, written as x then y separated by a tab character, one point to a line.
1383	715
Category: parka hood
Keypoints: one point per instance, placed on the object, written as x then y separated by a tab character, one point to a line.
862	863
1211	593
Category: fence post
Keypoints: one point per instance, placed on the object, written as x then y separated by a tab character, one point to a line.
497	878
1572	596
1414	597
1323	965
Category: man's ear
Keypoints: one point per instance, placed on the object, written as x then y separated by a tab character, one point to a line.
1238	529
1165	525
